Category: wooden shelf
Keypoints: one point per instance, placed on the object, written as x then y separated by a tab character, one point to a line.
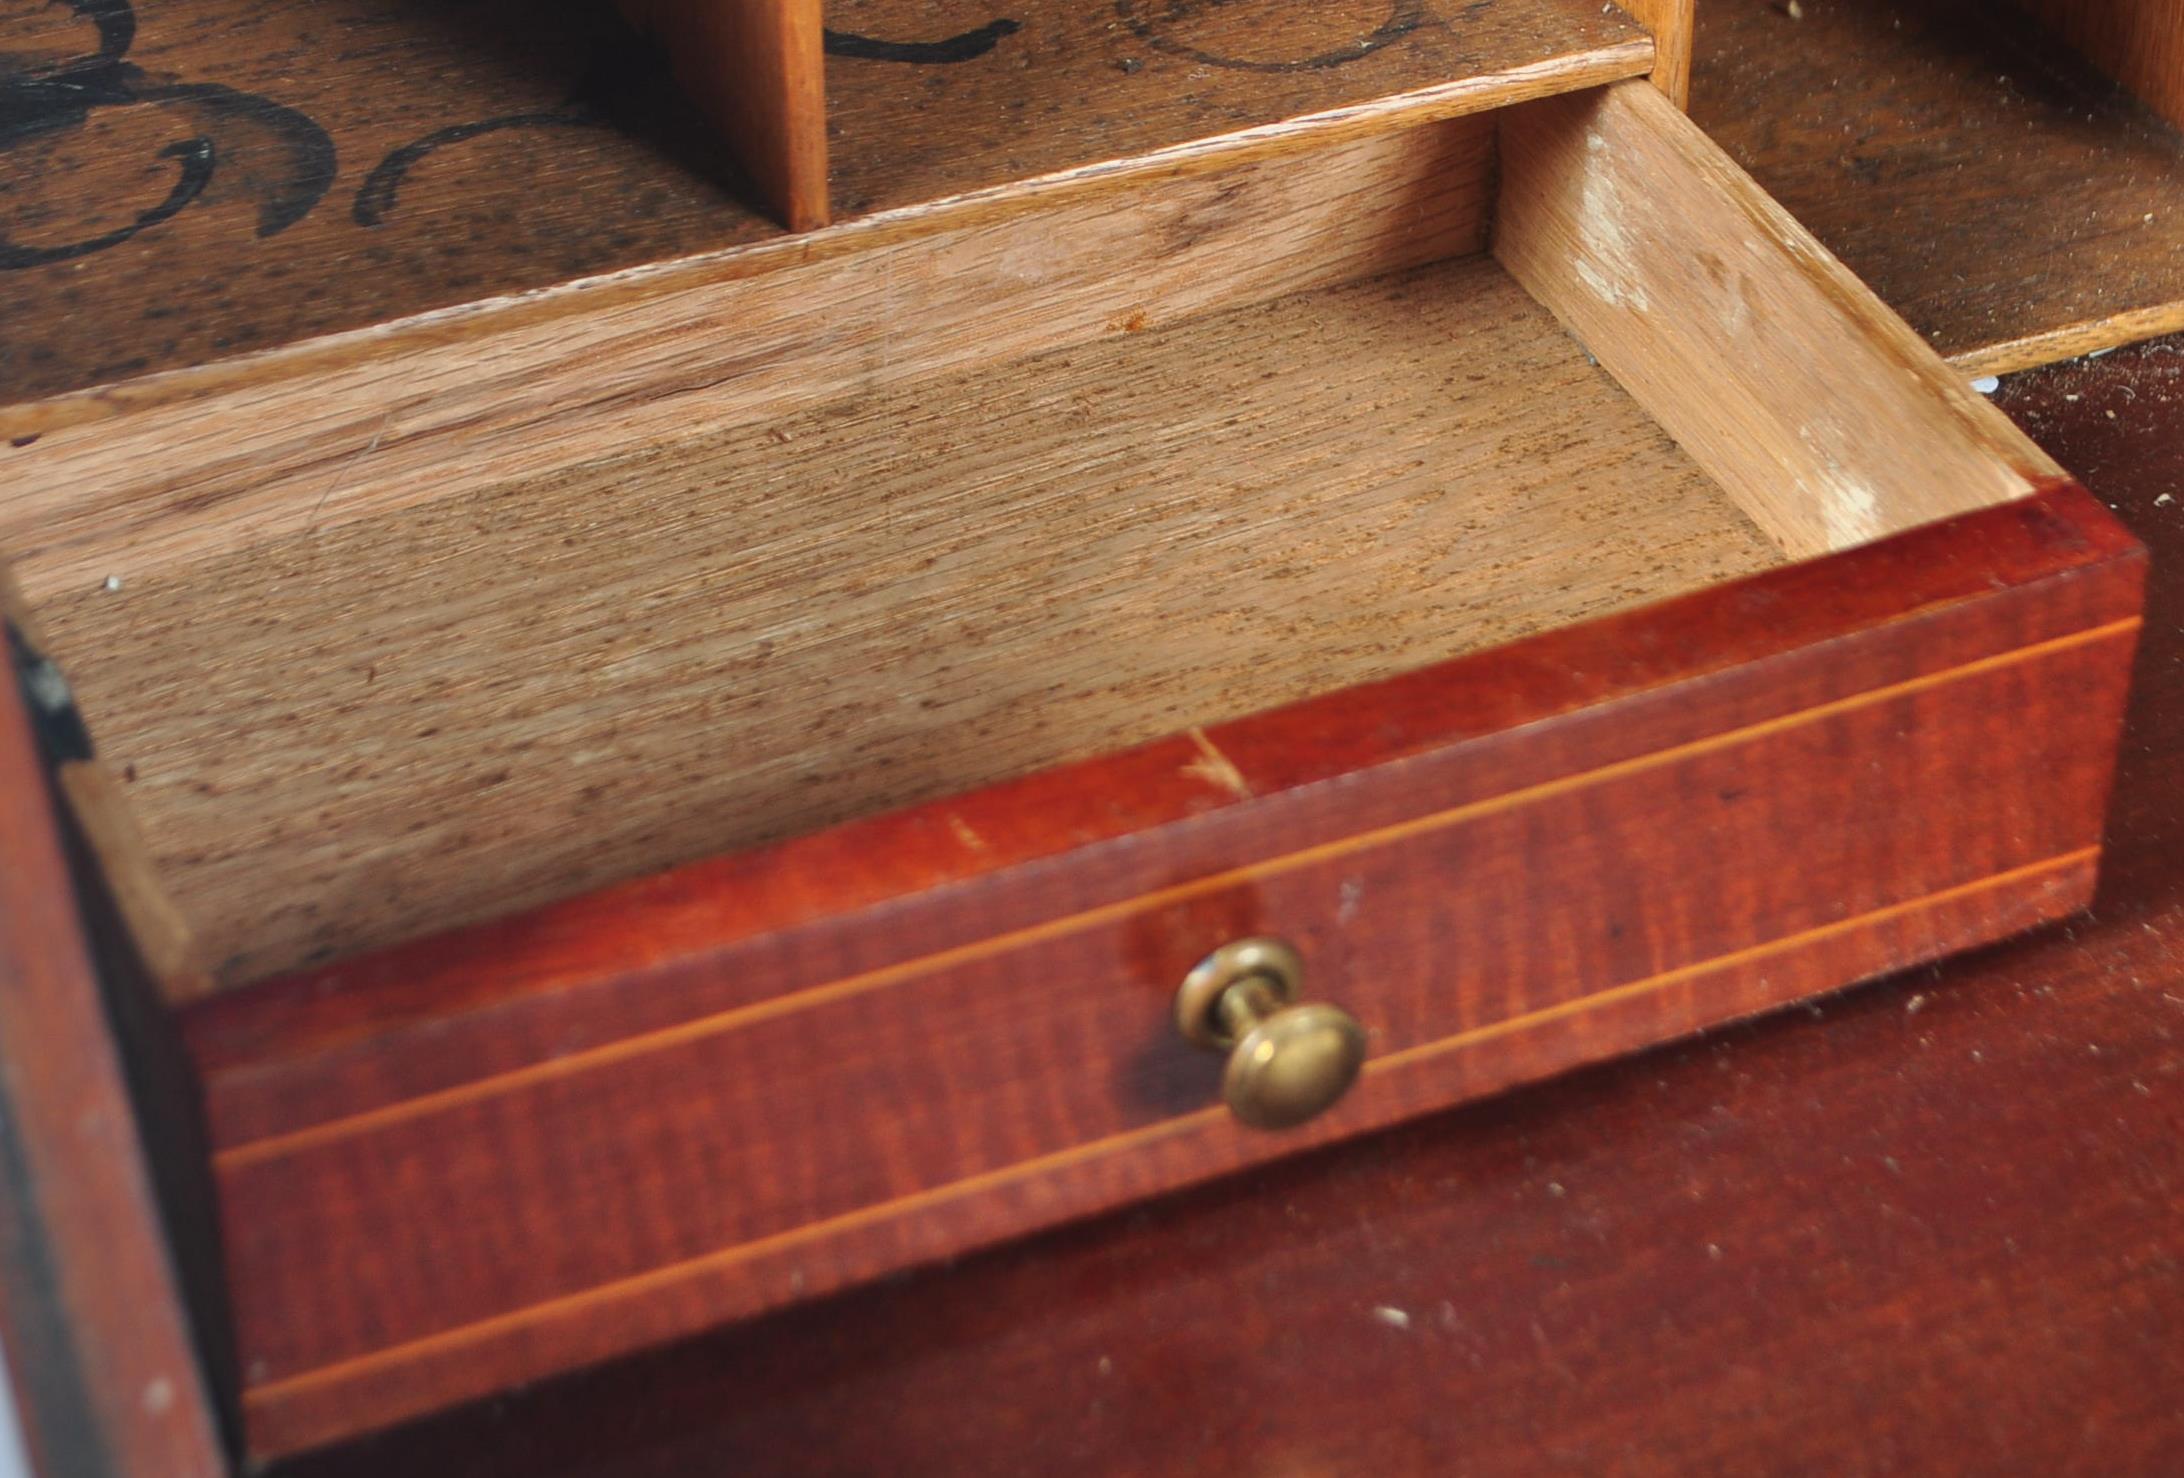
2012	204
1074	85
251	176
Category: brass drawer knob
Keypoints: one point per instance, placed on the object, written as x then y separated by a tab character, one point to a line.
1286	1062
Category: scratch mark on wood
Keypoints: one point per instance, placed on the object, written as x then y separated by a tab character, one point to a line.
1215	768
348	470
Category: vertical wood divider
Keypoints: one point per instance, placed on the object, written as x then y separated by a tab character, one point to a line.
758	69
2140	43
1671	23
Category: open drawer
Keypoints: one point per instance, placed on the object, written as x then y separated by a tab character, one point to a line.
1501	556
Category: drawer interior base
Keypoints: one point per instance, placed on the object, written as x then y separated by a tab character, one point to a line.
353	734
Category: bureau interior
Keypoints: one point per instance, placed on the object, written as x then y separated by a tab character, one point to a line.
1561	361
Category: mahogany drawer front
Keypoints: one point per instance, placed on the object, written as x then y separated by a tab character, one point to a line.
1501	873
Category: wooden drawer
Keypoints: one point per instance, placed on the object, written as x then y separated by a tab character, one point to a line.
1497	552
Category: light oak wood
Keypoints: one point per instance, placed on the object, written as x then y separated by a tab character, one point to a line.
2071	341
1672	23
447	407
2138	42
1813	405
346	736
758	68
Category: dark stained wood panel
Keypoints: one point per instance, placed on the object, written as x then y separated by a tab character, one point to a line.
99	1351
1987	185
1049	1084
1041	86
1925	1226
2138	42
316	167
188	180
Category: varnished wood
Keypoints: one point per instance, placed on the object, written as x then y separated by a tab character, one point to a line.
2036	625
1941	1208
369	161
2138	42
1814	407
1999	193
701	1220
98	1347
1672	23
884	601
709	1041
758	67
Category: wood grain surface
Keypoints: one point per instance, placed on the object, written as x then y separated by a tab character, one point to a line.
1073	85
1672	24
627	370
1072	487
1991	188
1812	405
1865	771
188	181
1924	1226
101	812
344	737
2138	42
759	70
100	1356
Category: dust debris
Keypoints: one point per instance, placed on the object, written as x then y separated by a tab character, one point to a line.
1391	1316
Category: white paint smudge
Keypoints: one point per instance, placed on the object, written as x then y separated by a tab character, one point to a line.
1606	262
1850	511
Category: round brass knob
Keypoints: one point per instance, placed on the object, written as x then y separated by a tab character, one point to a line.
1286	1062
